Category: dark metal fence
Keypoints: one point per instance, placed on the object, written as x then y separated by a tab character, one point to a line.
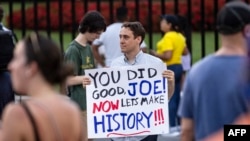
150	15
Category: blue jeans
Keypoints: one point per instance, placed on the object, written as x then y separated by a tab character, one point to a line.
175	99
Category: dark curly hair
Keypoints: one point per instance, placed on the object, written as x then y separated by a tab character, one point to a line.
136	28
92	22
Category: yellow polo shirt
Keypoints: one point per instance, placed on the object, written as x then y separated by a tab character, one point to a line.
172	41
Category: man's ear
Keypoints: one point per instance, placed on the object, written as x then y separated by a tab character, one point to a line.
139	38
32	69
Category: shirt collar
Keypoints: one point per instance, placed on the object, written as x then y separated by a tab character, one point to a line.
135	59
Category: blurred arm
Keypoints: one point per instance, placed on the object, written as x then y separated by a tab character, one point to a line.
187	129
97	55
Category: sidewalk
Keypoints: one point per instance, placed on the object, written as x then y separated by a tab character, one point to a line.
174	135
160	138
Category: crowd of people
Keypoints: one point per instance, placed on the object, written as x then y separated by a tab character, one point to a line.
215	91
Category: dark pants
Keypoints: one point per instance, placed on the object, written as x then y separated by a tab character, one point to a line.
150	138
6	92
175	99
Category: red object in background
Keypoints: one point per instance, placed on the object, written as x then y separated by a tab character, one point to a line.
143	13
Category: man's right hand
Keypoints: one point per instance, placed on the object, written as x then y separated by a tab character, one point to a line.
86	81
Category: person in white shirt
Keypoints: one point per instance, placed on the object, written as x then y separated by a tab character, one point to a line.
110	40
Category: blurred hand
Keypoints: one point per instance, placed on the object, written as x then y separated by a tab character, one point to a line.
152	52
171	82
85	81
169	75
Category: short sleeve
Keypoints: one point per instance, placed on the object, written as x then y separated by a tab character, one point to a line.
186	104
165	44
72	56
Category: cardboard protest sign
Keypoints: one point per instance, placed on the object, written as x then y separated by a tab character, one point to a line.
127	101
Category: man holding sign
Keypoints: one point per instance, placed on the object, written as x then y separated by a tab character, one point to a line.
131	107
131	36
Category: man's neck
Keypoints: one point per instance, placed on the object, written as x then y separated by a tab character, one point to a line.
232	45
132	55
81	39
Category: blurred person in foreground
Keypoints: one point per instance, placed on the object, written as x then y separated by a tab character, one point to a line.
213	92
35	69
243	119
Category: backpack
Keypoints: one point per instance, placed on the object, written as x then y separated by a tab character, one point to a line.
6	48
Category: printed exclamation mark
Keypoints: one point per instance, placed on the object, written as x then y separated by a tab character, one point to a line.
155	113
164	84
162	117
159	115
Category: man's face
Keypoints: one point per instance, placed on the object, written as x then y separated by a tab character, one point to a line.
128	42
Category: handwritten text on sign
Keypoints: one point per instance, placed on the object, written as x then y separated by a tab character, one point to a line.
127	101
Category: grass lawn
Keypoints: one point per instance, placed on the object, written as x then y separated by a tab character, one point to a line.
196	41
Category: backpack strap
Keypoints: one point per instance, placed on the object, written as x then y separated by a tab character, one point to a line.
32	120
